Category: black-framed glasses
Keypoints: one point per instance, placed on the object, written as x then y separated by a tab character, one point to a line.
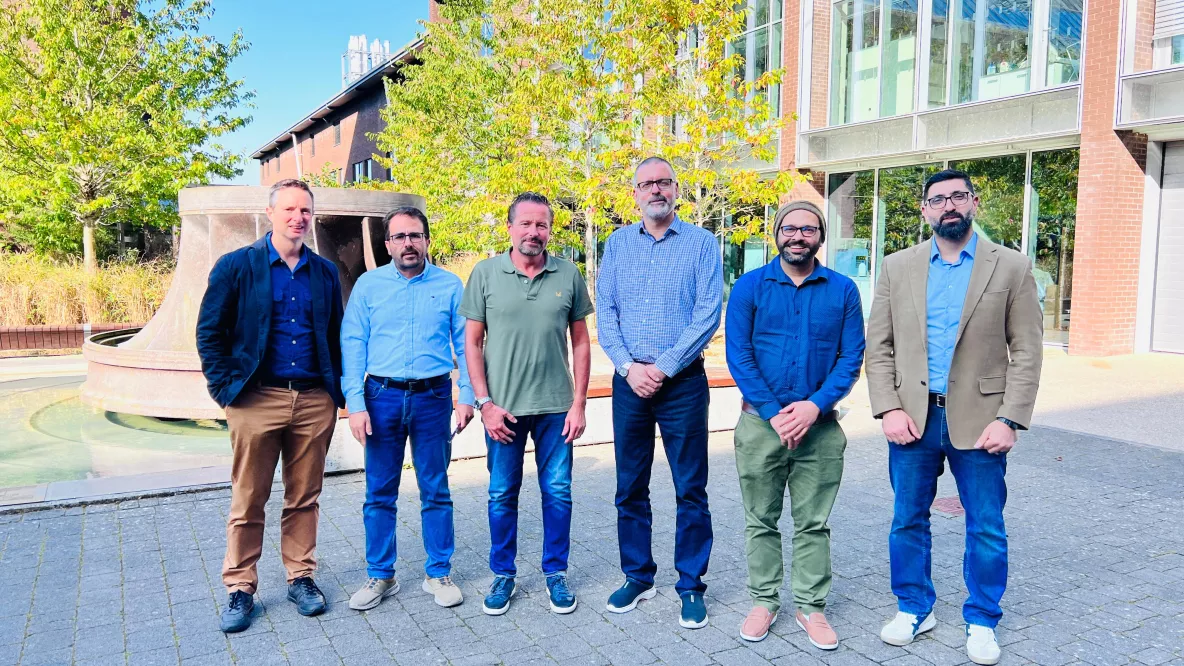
939	201
414	237
662	183
807	231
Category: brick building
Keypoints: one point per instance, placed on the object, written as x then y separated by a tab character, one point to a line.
1068	114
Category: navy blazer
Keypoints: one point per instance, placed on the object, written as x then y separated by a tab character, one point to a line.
235	319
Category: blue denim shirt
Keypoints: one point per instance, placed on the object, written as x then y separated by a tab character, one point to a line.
945	294
291	345
786	343
402	329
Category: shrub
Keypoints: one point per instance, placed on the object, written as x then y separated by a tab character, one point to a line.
38	291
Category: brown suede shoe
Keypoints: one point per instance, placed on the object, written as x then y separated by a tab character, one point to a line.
756	625
818	631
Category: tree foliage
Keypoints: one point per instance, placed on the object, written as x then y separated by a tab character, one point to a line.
564	99
110	107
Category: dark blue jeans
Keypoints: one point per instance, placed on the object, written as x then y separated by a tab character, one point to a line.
913	469
679	409
553	457
424	417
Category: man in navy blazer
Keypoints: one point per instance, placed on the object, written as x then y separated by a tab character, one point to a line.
268	334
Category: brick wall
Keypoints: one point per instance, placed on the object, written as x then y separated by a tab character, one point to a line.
790	57
1109	202
53	337
820	65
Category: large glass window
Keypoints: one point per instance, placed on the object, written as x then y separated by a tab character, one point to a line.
999	182
849	235
992	49
855	61
760	45
1064	42
898	203
938	50
1053	215
896	94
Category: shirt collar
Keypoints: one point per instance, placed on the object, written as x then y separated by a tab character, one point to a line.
968	251
507	264
676	227
274	256
774	271
423	275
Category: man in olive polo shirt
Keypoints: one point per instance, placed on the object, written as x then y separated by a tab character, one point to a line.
520	306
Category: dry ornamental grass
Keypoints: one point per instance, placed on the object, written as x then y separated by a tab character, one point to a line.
38	291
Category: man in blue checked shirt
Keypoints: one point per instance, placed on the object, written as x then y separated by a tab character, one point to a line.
794	346
660	293
400	332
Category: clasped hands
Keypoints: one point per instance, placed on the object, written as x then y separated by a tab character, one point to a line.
794	421
645	379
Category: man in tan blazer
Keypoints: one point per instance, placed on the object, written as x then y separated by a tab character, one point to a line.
954	347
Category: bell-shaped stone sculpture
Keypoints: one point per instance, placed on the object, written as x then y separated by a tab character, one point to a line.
155	371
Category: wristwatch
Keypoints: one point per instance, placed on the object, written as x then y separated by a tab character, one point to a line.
481	402
624	369
1008	422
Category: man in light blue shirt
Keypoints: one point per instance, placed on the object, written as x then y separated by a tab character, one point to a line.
660	295
398	338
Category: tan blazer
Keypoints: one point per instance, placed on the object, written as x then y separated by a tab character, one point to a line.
995	370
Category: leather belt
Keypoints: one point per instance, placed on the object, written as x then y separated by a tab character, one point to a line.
938	399
292	384
413	385
749	409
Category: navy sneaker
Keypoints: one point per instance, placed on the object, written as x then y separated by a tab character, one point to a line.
497	602
237	615
307	596
563	601
625	599
694	611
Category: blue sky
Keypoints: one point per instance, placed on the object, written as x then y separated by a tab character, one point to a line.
294	63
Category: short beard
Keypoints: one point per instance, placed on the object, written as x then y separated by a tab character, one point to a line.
954	231
402	264
795	260
530	252
665	209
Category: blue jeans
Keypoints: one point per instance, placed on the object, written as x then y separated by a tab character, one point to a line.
424	417
679	409
553	456
913	469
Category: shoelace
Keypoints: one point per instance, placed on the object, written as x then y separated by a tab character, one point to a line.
445	580
500	585
238	600
559	586
372	584
306	585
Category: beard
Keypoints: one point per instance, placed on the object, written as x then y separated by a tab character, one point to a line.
531	247
658	208
408	260
798	259
952	226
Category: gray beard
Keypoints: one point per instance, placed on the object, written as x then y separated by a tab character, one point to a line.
657	210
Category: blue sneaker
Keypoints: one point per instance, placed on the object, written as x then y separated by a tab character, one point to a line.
626	598
563	601
694	611
497	602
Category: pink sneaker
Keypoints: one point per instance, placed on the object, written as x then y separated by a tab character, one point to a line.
756	625
818	631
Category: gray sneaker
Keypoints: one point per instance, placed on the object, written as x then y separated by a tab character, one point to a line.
445	591
373	592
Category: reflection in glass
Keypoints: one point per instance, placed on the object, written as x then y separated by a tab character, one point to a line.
1050	238
759	47
849	235
748	255
855	61
898	203
1177	49
937	54
992	40
896	94
999	183
1064	41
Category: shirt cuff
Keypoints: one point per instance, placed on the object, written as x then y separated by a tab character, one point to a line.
466	396
355	403
668	364
768	410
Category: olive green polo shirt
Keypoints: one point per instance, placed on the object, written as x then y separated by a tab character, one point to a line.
526	324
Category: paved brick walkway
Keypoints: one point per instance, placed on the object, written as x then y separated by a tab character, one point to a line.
1097	575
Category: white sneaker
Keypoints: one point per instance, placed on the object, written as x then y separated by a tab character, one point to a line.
446	593
905	627
981	646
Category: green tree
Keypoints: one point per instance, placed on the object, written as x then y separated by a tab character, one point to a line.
563	100
109	108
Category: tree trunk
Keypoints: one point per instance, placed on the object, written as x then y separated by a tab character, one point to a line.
89	261
591	260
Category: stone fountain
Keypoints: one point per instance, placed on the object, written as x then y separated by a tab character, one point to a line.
155	371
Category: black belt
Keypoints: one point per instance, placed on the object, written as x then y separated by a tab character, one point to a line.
292	384
413	385
938	399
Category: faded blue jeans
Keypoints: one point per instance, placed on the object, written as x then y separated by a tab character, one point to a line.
913	469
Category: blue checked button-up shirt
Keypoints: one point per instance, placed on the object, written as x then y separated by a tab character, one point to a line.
291	342
787	343
659	299
945	294
402	329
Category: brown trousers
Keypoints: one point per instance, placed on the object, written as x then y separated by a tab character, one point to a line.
265	423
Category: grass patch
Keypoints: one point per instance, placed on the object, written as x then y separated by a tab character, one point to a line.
38	291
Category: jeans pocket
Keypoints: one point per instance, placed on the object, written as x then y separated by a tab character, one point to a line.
372	389
442	391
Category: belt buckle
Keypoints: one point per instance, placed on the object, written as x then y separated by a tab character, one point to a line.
415	385
939	399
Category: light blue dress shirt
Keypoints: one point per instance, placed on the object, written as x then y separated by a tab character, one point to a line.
659	299
402	329
945	294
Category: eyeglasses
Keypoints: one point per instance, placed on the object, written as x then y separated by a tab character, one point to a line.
940	200
414	237
807	231
662	183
